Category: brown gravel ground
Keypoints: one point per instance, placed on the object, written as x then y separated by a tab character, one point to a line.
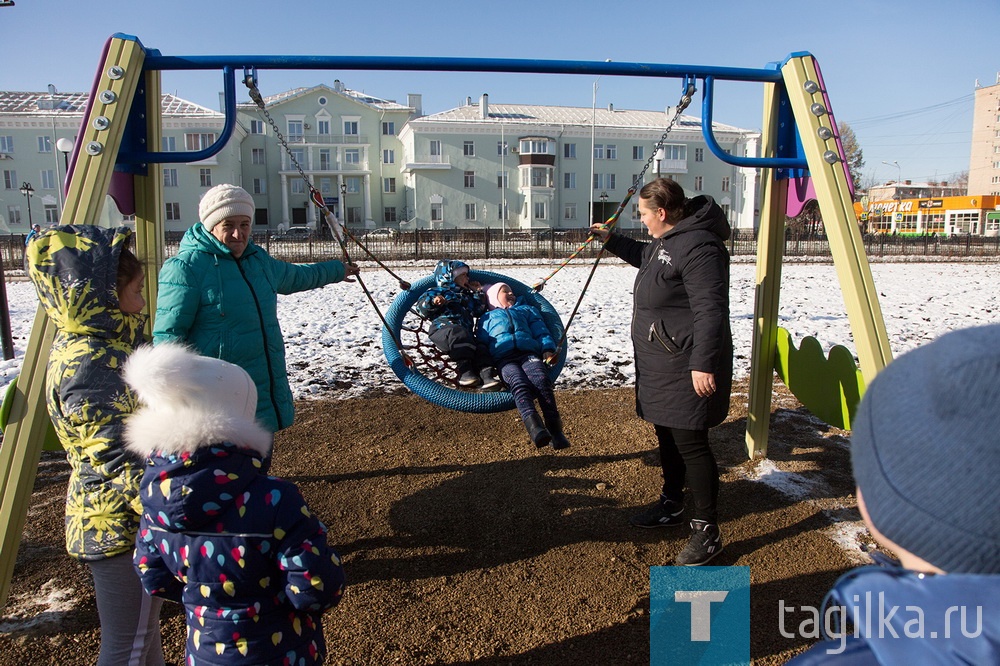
463	544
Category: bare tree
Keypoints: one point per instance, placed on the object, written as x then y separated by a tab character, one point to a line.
854	156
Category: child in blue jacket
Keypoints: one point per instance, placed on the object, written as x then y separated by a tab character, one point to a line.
240	550
521	345
452	308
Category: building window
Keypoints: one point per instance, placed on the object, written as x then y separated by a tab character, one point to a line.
569	181
170	178
469	148
48	179
198	141
169	144
638	152
725	210
44	144
540	213
604	181
389	128
535	147
503	179
437	212
675	152
51	215
470	212
354	215
257	156
635	212
470	179
323	127
325	159
6	144
389	156
259	186
296	131
10	179
598	151
435	148
389	214
256	126
389	185
541	177
699	154
569	151
725	184
569	211
14	214
205	177
699	183
611	151
325	186
173	210
351	127
297	186
501	147
353	185
352	156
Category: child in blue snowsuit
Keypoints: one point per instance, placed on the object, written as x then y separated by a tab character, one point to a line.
452	308
240	550
521	345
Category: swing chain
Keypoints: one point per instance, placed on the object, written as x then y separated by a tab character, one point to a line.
255	95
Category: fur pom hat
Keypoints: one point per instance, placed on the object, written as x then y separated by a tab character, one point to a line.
493	294
926	451
224	201
190	401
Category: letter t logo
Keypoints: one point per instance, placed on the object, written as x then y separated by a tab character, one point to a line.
701	610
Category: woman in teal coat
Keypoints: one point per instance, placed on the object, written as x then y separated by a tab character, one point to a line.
219	294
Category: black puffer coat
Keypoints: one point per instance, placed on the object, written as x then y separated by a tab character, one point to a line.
680	318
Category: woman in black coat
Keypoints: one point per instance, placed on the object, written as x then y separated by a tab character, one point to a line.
683	351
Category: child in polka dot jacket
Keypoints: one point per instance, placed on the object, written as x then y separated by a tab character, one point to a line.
240	550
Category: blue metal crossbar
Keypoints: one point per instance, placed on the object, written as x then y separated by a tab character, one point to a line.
154	60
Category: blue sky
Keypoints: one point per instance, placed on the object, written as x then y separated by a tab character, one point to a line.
902	74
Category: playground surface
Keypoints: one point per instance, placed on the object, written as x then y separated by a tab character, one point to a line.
463	544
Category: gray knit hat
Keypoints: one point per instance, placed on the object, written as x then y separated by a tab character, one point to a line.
224	201
926	451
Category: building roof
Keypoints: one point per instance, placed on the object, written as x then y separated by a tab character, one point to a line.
48	104
528	114
337	89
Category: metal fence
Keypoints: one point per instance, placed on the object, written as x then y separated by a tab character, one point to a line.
495	245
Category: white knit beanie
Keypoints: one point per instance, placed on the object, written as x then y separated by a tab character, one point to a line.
224	201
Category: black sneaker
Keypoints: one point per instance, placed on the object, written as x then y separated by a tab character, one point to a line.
705	543
489	381
468	378
661	513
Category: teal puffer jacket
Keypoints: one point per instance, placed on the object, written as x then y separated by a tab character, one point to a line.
228	308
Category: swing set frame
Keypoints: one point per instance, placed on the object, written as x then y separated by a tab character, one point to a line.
802	158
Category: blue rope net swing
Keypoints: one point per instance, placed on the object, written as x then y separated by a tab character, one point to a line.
431	375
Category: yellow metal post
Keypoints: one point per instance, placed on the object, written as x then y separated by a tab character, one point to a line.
770	251
810	107
149	199
100	139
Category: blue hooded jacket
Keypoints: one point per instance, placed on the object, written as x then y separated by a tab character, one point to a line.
517	329
461	306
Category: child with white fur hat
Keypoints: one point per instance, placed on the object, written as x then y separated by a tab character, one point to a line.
240	550
926	456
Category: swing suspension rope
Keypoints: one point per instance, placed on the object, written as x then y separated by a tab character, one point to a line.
339	231
612	221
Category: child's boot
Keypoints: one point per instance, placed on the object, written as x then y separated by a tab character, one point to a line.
467	376
536	430
555	427
489	381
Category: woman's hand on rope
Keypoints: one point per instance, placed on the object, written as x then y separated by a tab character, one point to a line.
600	230
704	383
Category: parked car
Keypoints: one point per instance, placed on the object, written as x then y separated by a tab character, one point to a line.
380	234
293	234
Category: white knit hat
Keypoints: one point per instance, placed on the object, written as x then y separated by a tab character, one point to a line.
224	201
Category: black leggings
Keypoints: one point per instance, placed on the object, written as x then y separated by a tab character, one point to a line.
686	455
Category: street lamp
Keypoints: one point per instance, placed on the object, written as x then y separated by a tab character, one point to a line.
899	170
65	146
27	190
604	200
343	202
